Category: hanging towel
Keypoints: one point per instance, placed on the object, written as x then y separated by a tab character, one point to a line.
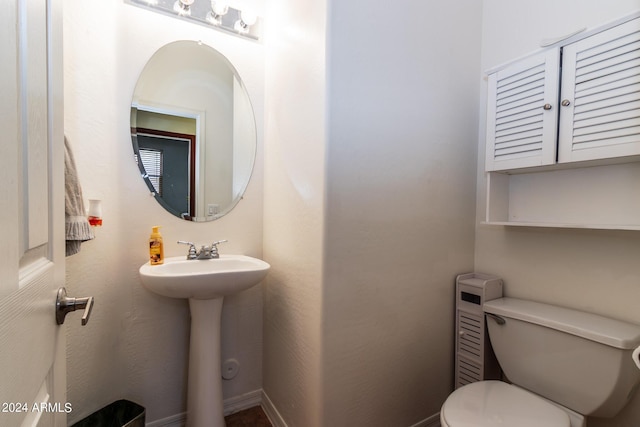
77	228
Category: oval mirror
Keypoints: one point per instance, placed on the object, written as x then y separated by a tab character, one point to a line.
193	131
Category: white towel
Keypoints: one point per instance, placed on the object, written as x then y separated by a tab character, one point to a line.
77	228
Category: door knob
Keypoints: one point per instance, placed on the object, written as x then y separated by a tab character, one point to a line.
65	304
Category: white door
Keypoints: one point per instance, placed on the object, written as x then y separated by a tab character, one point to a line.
32	346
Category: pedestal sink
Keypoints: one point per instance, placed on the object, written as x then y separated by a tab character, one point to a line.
205	283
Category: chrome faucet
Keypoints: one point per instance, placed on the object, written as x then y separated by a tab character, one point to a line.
205	252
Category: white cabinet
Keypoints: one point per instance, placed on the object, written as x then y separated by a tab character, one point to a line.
563	133
571	103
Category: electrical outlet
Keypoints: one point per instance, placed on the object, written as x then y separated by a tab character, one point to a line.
213	209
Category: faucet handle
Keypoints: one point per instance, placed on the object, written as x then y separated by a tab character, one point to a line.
214	248
193	254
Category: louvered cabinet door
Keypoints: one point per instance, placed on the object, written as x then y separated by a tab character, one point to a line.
470	347
600	113
522	113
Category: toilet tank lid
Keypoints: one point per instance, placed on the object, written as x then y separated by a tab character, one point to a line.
614	333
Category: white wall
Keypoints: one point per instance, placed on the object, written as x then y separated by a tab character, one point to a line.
295	138
135	345
591	270
403	85
358	305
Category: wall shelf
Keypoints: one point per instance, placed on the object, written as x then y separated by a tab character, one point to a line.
563	225
598	197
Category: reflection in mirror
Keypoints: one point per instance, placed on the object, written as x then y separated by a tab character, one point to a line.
193	131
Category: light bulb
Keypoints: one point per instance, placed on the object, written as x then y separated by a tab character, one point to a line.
183	7
247	19
218	10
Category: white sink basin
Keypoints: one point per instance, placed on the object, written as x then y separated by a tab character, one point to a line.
203	279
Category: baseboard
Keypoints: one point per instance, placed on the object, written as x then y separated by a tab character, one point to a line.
277	420
260	398
242	402
178	420
231	406
271	412
432	421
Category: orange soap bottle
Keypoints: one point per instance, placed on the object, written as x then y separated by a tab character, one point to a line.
156	247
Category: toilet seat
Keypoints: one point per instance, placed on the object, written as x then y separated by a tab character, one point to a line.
496	403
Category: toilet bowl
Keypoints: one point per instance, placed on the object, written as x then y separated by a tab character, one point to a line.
498	404
562	365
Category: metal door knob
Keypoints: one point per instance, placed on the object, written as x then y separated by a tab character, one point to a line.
65	304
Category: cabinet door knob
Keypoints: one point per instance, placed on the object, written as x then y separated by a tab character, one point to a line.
547	107
566	102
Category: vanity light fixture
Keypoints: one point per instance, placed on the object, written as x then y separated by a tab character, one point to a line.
211	13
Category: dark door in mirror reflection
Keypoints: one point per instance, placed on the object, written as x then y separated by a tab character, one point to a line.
166	163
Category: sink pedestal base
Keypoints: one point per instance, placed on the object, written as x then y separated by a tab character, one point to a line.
204	396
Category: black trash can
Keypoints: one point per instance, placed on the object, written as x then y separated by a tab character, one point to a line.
121	413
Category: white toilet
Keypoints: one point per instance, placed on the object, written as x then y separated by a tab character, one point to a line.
562	365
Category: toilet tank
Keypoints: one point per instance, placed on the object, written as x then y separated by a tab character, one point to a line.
580	360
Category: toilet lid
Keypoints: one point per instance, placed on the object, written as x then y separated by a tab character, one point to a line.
495	403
